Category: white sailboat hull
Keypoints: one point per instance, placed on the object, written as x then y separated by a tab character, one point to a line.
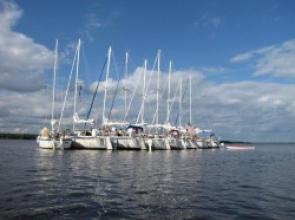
140	142
48	143
45	144
191	144
213	144
201	144
125	143
177	143
158	143
92	142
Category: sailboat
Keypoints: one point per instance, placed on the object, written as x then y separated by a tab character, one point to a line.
83	139
177	141
173	134
140	127
156	138
190	136
52	139
124	136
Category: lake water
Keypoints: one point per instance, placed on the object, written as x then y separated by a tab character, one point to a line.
192	184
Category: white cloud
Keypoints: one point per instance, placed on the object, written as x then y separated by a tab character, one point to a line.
275	60
111	85
22	61
250	54
209	23
243	110
94	21
246	110
213	69
27	112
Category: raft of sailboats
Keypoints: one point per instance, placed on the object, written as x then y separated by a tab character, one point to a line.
124	134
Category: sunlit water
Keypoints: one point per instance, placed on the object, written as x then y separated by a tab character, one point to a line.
192	184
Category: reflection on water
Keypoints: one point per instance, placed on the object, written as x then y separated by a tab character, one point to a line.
192	184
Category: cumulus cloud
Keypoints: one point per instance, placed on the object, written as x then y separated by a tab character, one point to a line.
22	61
246	110
275	60
252	110
27	112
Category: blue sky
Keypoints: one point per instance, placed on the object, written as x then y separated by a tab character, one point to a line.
192	33
241	55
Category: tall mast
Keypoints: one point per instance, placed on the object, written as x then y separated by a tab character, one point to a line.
76	80
106	82
67	92
169	91
143	91
126	74
190	99
180	102
158	87
54	83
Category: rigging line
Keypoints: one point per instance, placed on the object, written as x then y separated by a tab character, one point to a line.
154	117
173	100
84	68
182	96
67	91
141	106
96	90
119	74
131	100
162	95
149	81
133	94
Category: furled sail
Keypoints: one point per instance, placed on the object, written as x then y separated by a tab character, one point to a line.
80	121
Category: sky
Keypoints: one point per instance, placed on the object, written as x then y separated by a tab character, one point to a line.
240	54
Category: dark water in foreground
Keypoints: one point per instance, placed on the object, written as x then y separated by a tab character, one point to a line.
195	184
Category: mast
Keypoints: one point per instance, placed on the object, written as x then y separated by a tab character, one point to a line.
169	91
106	82
54	84
67	92
126	74
158	87
180	102
76	80
190	99
143	91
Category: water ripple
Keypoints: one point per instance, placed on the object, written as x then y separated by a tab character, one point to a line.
196	184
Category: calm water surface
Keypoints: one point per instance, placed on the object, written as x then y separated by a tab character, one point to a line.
194	184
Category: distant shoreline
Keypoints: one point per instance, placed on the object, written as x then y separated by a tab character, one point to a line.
22	136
